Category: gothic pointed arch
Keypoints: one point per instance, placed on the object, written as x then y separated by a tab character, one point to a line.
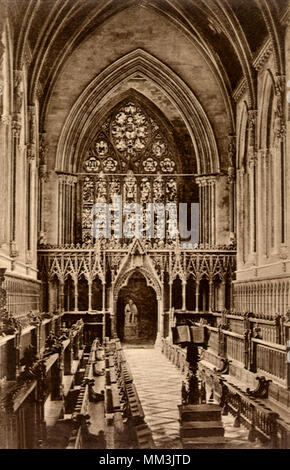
125	276
89	106
266	127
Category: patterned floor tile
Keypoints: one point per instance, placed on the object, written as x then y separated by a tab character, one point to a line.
158	383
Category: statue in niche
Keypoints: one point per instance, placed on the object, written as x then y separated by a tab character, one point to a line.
158	191
115	187
101	189
171	190
131	313
131	320
130	187
145	191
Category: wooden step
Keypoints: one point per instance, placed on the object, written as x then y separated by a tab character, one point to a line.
206	412
212	442
201	429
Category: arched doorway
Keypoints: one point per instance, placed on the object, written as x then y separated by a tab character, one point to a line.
137	311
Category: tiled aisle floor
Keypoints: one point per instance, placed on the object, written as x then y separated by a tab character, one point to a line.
158	383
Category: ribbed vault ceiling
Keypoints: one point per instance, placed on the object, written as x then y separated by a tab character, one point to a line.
226	34
230	32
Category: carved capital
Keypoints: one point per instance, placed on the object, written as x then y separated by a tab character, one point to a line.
30	153
205	180
16	127
231	174
6	119
70	179
279	127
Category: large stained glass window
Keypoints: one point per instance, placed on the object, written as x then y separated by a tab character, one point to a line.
133	156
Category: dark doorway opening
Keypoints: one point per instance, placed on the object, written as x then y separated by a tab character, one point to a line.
137	311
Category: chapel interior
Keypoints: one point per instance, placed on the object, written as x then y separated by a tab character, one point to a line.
144	341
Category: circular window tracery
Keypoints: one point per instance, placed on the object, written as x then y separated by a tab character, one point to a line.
131	139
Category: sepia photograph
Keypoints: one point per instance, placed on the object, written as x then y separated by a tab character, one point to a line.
144	228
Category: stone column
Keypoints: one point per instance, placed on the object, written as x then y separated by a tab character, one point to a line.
170	294
114	319
202	212
31	193
76	294
60	209
259	204
207	208
42	169
90	295
231	181
264	155
162	311
16	128
51	299
281	164
30	203
222	296
171	323
61	295
160	331
210	295
213	211
252	158
104	309
104	296
197	296
221	209
183	294
253	202
73	208
240	217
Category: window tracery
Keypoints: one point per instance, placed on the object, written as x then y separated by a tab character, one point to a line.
129	144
